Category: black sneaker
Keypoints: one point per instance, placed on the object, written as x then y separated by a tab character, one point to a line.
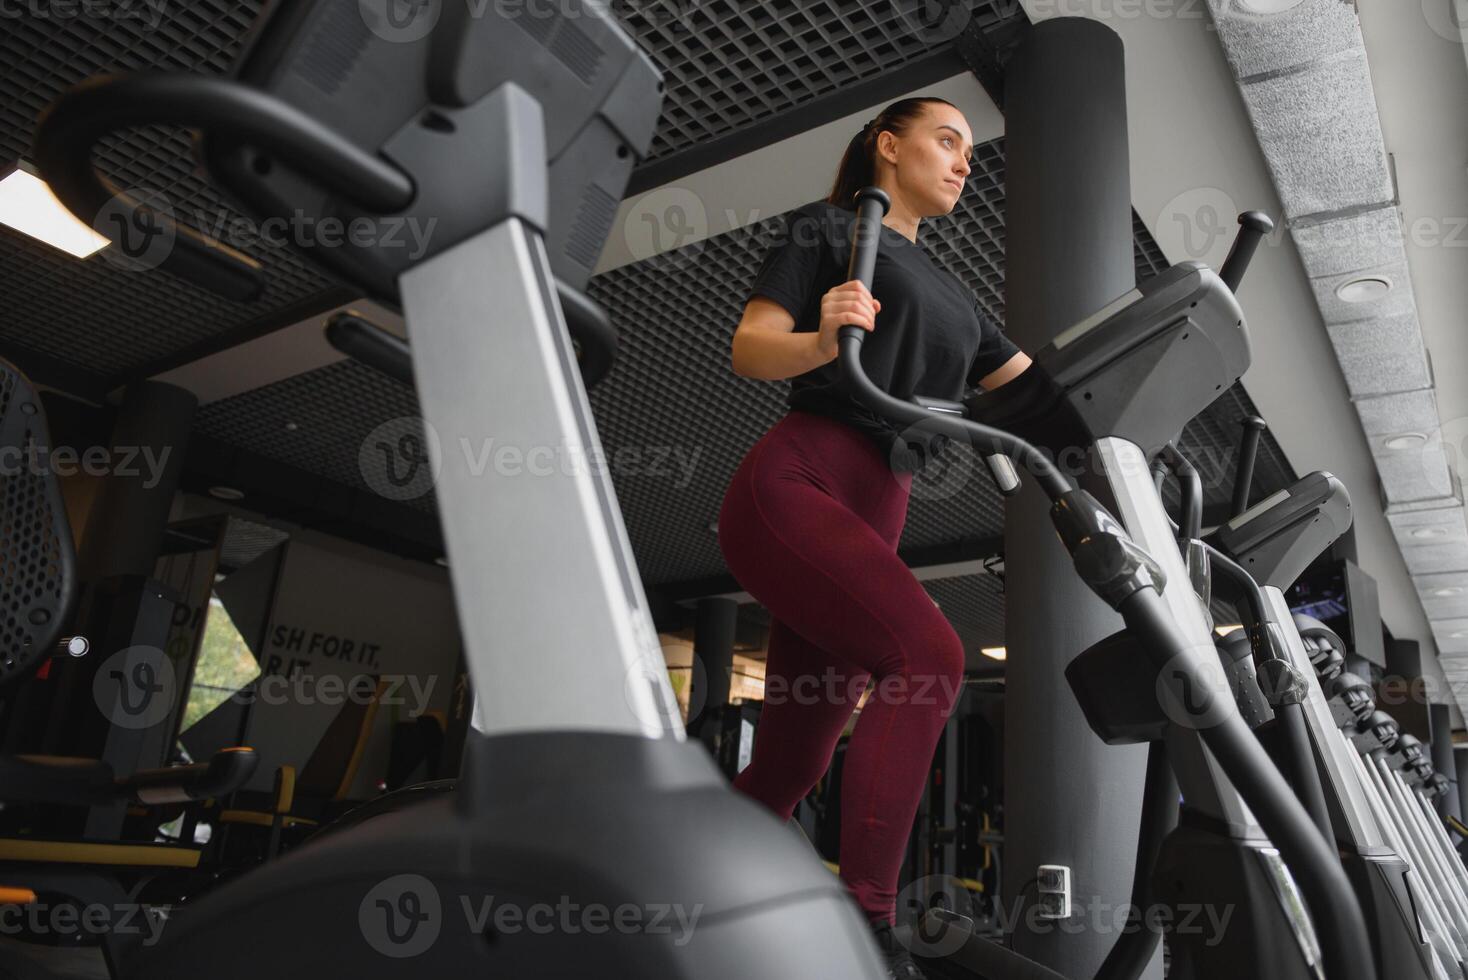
899	961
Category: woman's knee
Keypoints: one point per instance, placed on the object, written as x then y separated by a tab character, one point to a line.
930	662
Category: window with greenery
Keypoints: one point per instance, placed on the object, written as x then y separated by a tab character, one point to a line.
225	665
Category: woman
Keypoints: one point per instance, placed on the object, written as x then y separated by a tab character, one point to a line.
810	522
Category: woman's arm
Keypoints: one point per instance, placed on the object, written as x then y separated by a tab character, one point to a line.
1012	369
766	347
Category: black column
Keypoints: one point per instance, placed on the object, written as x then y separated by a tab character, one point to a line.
1441	721
1070	800
125	689
125	528
713	650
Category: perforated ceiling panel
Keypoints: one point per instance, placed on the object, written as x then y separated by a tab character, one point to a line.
94	313
729	63
320	422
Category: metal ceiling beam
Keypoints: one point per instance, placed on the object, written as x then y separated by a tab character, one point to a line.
51	372
327	299
289	493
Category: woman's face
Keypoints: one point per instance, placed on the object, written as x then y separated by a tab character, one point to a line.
931	160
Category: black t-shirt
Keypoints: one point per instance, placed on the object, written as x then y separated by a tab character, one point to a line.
931	337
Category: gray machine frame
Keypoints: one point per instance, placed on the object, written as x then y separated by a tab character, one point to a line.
1274	541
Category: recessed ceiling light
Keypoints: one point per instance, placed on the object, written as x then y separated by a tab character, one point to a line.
1448	590
1428	532
1364	290
995	653
28	206
1457	634
1268	6
226	493
1404	441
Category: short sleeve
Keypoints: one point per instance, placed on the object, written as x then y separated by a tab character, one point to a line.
995	349
792	264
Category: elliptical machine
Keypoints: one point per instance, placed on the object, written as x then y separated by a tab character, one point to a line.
1266	548
572	794
1244	838
587	836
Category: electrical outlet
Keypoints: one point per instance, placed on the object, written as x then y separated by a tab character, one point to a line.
1053	882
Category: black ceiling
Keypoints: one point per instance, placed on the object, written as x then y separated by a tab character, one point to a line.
731	68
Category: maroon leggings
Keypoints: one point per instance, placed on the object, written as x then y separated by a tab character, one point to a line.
810	526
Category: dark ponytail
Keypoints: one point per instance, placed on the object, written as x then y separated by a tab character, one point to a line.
858	164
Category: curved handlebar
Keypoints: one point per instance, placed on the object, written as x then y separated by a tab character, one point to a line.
71	126
871	204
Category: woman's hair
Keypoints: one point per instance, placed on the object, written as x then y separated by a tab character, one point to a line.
858	165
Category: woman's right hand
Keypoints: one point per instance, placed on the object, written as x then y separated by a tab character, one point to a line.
848	305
